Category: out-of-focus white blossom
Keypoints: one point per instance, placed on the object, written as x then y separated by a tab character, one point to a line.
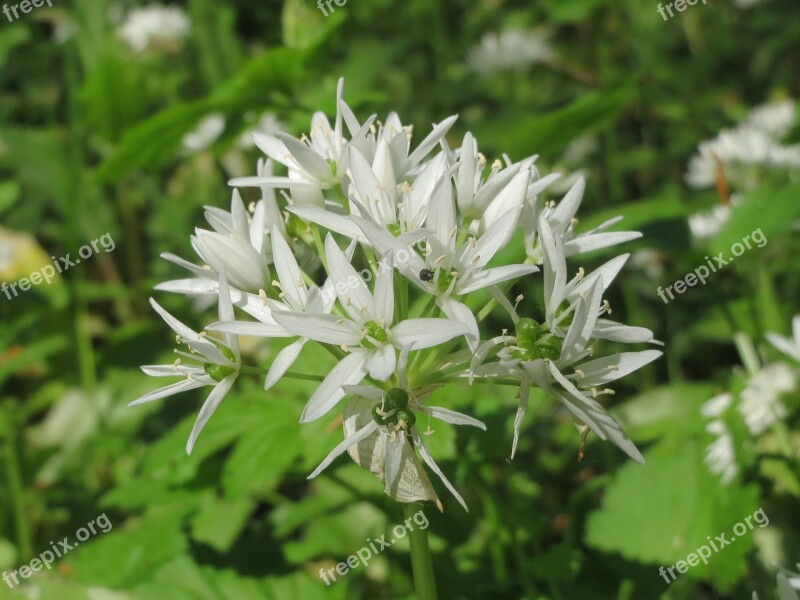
155	27
512	49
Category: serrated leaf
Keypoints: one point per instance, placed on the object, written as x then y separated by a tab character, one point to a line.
661	512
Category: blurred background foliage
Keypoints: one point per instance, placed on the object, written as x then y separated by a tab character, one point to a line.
99	134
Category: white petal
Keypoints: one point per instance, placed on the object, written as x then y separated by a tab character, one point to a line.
273	182
382	362
174	324
495	237
199	271
453	417
424	333
580	331
459	312
328	220
393	460
349	371
196	286
581	244
209	406
311	162
349	286
522	408
494	276
565	211
511	198
426	456
169	390
327	329
343	446
289	273
365	391
430	141
607	271
597	372
249	328
617	332
171	370
283	362
593	415
555	269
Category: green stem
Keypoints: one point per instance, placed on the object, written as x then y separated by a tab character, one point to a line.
421	561
17	491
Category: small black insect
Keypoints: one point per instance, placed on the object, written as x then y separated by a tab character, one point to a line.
426	275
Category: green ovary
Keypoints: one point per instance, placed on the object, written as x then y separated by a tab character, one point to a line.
218	372
534	341
395	410
445	279
374	331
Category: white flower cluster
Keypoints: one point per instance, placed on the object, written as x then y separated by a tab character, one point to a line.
760	404
744	152
409	237
155	27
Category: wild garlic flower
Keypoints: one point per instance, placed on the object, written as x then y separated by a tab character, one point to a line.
720	456
424	228
237	246
512	49
541	353
212	362
745	154
155	27
561	220
381	433
368	335
761	403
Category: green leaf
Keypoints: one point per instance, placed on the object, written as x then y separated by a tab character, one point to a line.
134	550
266	451
549	133
220	521
661	512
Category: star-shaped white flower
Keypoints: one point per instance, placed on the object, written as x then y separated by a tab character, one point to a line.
315	163
561	219
294	296
376	195
369	335
238	246
214	362
454	264
381	434
542	353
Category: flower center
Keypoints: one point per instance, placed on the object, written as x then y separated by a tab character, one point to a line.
395	410
445	279
394	229
375	331
534	341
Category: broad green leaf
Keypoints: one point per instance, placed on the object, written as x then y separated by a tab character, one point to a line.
220	521
660	512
